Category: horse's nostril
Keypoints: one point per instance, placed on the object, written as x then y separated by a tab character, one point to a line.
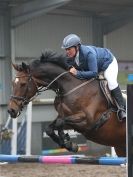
12	113
9	111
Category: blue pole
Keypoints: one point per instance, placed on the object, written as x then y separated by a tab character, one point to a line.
8	158
130	77
112	160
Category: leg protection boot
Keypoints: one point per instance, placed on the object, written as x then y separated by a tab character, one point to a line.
117	95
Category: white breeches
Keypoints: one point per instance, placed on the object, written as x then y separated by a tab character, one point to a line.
111	74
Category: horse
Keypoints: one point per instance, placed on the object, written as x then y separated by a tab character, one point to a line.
81	104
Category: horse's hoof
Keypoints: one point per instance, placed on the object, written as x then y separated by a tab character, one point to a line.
71	146
75	147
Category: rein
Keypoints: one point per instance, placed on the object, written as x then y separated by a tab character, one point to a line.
47	87
79	86
71	91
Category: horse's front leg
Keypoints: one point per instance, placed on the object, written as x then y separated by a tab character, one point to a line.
77	122
50	131
62	139
67	143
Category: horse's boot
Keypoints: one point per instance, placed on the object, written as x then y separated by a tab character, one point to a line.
117	95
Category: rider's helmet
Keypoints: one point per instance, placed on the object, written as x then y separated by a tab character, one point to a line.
72	40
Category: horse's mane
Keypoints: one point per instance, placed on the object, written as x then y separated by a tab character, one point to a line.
48	57
53	57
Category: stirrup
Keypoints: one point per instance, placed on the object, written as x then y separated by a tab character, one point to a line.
121	114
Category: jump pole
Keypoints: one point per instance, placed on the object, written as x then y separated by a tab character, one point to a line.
83	160
64	160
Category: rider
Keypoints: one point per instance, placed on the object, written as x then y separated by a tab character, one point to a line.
88	61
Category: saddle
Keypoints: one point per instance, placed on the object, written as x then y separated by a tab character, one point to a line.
105	90
112	107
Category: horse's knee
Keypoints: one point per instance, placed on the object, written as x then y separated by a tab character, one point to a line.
49	131
59	123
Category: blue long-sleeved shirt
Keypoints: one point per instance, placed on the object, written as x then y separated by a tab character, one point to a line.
92	60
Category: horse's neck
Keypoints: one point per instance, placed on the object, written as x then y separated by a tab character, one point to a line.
67	82
64	80
58	76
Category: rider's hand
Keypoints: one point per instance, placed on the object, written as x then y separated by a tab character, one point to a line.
73	71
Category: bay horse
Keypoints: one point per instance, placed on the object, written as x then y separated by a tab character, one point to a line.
81	104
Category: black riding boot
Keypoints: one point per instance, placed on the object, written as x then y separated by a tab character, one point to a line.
117	95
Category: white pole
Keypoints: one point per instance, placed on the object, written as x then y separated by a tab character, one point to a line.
14	137
7	123
14	121
29	129
113	153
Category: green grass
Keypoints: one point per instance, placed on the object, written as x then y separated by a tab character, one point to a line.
122	78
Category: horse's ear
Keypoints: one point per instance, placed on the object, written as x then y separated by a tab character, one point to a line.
16	67
42	58
25	67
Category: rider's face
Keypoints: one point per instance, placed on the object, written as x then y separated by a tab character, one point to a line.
71	52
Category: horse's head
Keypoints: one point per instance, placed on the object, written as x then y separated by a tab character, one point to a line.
47	73
24	88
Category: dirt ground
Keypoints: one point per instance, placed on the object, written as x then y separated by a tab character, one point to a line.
57	170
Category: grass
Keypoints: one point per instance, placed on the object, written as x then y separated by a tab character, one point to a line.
123	78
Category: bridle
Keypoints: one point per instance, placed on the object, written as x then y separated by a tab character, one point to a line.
44	86
24	99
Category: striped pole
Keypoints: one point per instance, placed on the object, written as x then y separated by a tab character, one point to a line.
64	159
63	150
83	160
